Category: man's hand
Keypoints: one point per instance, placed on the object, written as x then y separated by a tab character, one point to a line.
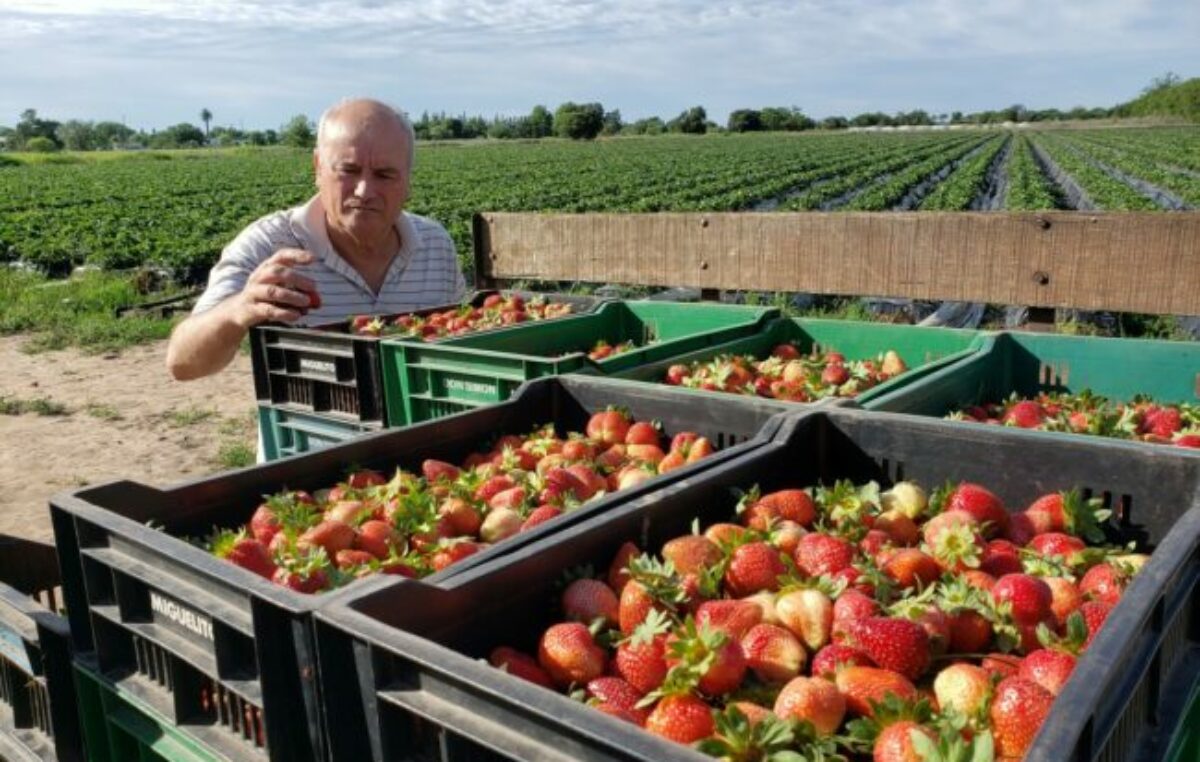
276	291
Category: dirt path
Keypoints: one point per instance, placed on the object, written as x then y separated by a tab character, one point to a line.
124	418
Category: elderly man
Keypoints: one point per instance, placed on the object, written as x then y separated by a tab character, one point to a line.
351	249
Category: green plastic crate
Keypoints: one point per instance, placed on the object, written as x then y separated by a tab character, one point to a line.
424	381
287	432
119	728
1185	743
1029	363
924	350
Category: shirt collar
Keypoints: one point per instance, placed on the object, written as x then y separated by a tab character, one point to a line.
308	224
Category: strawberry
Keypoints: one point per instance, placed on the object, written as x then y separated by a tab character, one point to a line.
1017	713
589	481
895	742
618	570
725	534
435	470
500	524
1068	512
1001	665
791	504
1025	414
633	606
264	523
819	554
833	657
813	700
569	654
987	509
1056	544
330	534
586	600
772	653
1065	597
540	515
1029	597
352	559
365	477
896	644
452	552
785	536
245	551
910	567
970	632
1104	583
616	692
692	554
305	574
578	449
1094	613
377	538
700	449
716	658
1048	668
464	520
734	618
1001	557
898	527
493	486
808	614
905	498
671	461
752	567
835	374
642	658
850	607
963	687
512	498
642	433
352	512
608	426
863	685
681	718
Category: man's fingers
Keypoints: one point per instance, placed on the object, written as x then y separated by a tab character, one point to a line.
292	257
273	312
274	293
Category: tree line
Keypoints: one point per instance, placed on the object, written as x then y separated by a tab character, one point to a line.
576	121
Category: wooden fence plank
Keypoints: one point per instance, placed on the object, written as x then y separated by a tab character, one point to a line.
1127	261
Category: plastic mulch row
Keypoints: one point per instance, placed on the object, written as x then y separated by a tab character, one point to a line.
38	717
228	656
424	380
402	671
325	369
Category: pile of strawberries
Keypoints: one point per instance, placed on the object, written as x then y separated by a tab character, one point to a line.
496	311
1141	419
842	623
787	374
417	524
603	350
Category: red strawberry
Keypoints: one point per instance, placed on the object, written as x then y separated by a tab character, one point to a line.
245	551
642	661
452	552
862	685
303	580
833	657
911	568
819	554
752	567
1103	583
352	559
1048	668
618	570
850	607
1018	710
717	658
813	700
586	600
1025	414
1056	544
540	515
633	606
434	470
1001	557
377	538
896	644
681	718
364	478
1094	613
1188	440
330	534
616	692
895	742
1065	597
987	509
493	486
791	504
835	374
734	618
608	426
691	554
970	632
642	433
264	523
512	498
1067	512
520	665
569	654
1030	597
772	653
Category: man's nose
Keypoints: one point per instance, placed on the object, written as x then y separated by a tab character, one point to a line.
363	187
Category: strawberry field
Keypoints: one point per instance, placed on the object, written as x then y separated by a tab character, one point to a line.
178	210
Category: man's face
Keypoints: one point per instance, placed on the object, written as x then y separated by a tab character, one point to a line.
362	178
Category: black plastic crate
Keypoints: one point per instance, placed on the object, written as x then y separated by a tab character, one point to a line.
38	716
171	624
401	667
325	369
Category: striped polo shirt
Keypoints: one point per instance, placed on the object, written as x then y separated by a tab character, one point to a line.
424	273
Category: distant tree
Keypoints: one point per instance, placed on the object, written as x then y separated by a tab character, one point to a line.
611	124
108	135
1166	81
206	117
40	144
75	135
578	121
775	119
298	133
956	117
834	123
871	119
31	127
745	120
694	121
651	126
541	122
182	135
917	118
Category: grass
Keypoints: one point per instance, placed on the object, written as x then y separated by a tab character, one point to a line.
189	416
236	455
103	412
77	312
38	406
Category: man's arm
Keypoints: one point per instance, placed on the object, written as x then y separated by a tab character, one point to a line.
205	343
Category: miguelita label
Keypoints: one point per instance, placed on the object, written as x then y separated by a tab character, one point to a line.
181	616
327	367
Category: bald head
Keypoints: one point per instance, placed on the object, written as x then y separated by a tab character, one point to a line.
354	117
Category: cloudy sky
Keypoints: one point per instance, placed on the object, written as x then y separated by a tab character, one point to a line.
255	63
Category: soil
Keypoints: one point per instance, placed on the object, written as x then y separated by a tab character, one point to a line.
124	418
